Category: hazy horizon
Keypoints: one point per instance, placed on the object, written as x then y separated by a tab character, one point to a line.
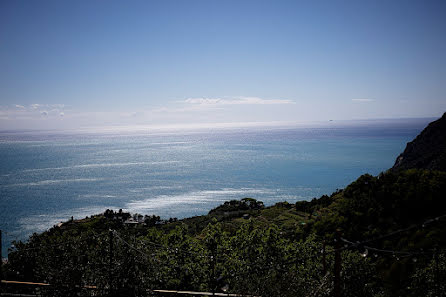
205	127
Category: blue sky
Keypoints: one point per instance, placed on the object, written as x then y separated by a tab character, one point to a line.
73	64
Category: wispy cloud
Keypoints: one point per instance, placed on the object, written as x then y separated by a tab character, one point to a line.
19	111
240	100
37	106
363	100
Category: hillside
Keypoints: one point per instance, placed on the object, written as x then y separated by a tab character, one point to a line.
427	150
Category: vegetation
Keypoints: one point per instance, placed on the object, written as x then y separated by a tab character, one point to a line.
427	150
276	251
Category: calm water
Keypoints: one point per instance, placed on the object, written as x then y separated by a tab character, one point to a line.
47	178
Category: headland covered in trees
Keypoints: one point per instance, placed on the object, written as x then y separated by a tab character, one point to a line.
382	235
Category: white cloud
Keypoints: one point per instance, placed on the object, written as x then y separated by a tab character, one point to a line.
36	106
19	106
203	100
236	101
191	107
363	100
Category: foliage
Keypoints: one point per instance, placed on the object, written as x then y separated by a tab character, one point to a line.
244	204
275	252
430	280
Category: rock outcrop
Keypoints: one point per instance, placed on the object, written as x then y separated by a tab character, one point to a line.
427	150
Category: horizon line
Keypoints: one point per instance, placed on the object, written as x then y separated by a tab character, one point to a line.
215	126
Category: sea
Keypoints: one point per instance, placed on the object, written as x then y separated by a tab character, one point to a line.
47	177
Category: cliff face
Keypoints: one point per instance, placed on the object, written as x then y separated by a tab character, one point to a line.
427	150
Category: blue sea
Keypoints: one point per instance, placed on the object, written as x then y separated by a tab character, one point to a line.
47	177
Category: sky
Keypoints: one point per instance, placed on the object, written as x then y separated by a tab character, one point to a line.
81	64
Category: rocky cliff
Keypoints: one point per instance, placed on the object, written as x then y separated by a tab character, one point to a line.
427	150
